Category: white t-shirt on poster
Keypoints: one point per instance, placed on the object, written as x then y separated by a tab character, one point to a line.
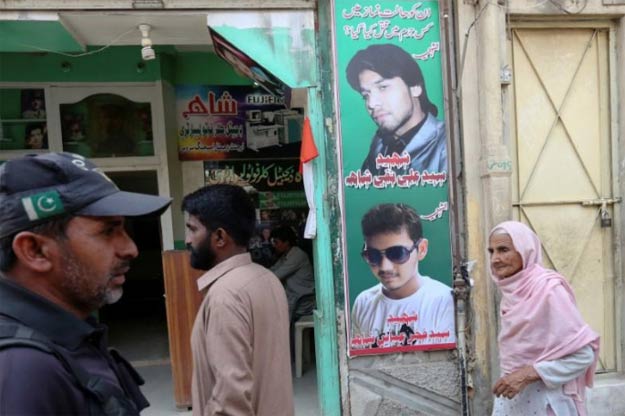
426	317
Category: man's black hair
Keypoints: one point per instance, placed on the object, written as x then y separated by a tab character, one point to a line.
392	218
389	61
32	127
223	206
285	233
54	228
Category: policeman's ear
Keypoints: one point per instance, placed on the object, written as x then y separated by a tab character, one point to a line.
416	91
35	251
422	249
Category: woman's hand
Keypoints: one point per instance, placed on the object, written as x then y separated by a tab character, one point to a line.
512	384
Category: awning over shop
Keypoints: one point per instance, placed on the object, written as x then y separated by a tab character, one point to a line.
36	32
281	41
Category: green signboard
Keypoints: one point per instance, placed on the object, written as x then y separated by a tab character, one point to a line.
288	199
395	176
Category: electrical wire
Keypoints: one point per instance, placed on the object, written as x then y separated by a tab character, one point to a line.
466	42
93	52
477	18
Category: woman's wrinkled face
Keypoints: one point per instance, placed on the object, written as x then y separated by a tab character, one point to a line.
505	261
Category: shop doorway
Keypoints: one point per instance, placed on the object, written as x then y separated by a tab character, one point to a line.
276	187
137	323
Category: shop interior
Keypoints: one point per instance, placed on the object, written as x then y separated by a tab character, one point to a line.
138	321
175	50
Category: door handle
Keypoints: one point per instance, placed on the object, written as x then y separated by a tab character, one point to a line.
586	203
602	201
604	215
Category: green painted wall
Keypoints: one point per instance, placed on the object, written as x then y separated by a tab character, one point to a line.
117	64
168	67
205	68
120	64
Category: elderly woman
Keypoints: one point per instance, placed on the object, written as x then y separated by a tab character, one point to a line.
547	352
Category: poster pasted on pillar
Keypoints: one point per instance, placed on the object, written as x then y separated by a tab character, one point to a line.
235	122
395	180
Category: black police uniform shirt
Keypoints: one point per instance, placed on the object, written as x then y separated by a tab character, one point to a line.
33	382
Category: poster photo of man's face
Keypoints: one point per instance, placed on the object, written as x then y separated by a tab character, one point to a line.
33	104
393	89
406	310
36	136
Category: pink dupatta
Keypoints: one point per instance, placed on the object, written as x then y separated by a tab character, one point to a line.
539	317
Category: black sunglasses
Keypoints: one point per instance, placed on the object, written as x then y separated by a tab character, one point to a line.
396	254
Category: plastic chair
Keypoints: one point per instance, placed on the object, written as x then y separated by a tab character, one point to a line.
303	323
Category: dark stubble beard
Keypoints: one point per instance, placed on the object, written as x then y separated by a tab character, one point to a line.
84	294
202	257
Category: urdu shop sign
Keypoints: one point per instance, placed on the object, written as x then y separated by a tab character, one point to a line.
235	122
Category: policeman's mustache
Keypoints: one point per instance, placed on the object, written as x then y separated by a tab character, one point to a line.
121	267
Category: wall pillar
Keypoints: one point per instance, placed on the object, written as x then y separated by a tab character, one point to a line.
494	204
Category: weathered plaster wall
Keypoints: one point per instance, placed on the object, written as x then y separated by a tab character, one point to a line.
424	383
484	116
166	4
478	28
566	8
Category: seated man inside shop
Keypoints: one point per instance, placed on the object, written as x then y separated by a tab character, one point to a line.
293	268
260	247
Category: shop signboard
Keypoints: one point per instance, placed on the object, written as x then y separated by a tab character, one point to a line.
235	122
263	175
395	176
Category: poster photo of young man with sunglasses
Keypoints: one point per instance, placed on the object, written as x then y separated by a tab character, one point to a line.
405	311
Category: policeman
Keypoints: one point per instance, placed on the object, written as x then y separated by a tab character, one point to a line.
64	252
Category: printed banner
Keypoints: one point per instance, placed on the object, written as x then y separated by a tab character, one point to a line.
246	66
238	122
395	176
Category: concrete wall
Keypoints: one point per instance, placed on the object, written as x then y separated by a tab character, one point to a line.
425	383
482	52
175	177
482	140
151	4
